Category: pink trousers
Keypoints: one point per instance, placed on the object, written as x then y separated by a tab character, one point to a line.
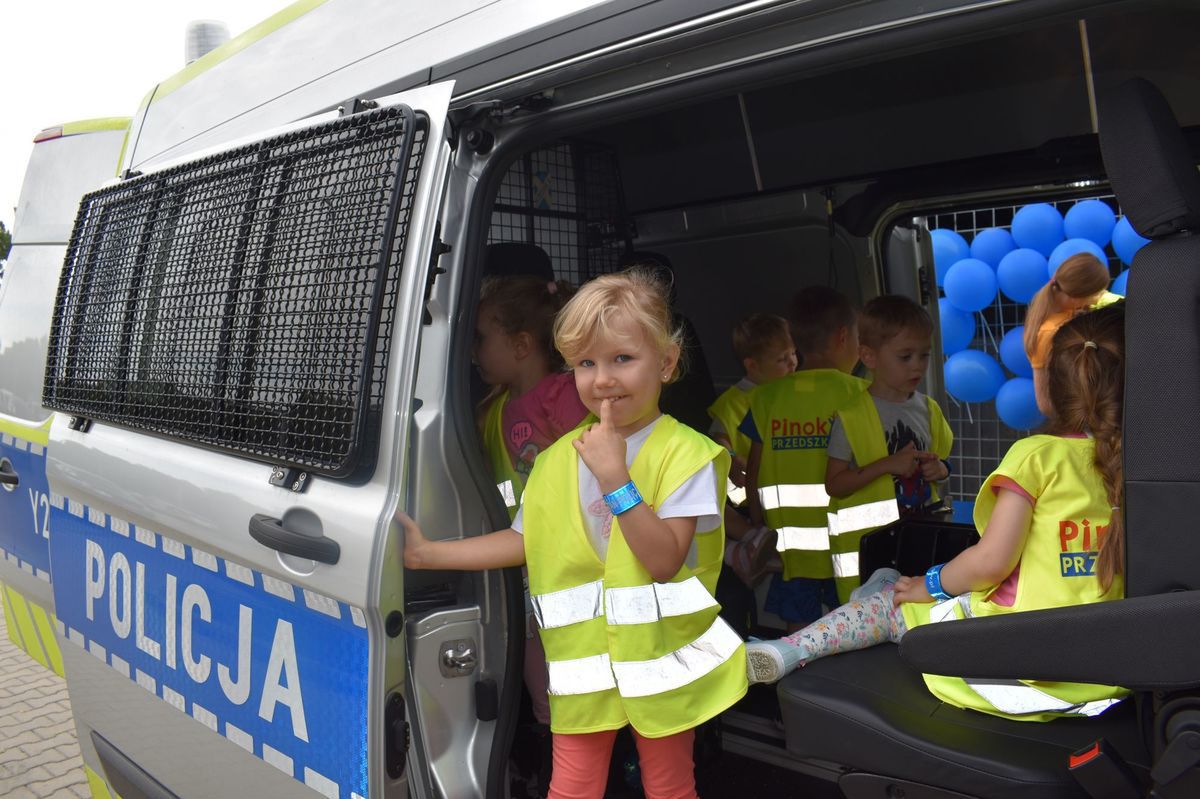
581	765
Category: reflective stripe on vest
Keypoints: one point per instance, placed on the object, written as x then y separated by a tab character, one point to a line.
861	517
676	669
507	493
812	539
796	495
845	564
569	606
580	676
643	604
1013	696
735	494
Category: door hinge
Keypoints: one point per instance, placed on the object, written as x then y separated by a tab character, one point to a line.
396	736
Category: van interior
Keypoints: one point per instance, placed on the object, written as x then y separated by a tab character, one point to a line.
835	174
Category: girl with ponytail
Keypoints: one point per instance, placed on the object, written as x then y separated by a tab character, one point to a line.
1051	536
1081	282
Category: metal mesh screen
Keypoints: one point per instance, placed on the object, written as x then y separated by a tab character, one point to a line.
980	438
244	301
565	198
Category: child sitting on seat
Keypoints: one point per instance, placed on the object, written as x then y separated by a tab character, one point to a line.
1052	536
888	446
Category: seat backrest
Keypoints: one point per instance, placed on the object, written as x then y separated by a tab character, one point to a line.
1153	174
508	258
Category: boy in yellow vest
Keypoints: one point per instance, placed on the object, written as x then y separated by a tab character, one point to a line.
888	446
788	426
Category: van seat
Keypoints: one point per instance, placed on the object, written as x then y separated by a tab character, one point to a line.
870	709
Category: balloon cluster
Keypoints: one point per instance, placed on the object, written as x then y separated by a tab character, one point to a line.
1017	263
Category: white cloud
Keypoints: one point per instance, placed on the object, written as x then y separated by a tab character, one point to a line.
67	60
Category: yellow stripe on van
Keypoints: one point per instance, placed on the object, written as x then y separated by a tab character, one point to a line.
45	627
27	432
95	125
16	605
98	786
10	620
236	45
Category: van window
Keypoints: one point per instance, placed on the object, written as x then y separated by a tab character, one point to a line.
244	301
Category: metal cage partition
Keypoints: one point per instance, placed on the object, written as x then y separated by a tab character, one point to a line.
244	301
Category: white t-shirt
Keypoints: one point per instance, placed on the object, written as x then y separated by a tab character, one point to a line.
696	497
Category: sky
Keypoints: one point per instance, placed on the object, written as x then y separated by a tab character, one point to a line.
67	60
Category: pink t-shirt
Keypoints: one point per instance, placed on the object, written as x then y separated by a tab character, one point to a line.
539	417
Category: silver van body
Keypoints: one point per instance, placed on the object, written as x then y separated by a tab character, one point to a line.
236	624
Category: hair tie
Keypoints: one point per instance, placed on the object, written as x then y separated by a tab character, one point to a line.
1054	285
1115	507
552	287
1090	344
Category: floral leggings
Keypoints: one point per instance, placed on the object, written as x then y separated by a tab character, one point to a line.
860	623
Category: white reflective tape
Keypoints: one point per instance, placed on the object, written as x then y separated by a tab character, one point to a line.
845	564
174	699
204	716
76	637
97	517
321	784
240	737
119	526
239	573
568	606
507	493
205	560
322	604
27	567
6	439
120	665
37	449
57	501
643	604
43	575
172	547
794	495
98	651
862	517
278	759
146	681
679	668
809	539
357	616
75	508
580	676
734	493
279	588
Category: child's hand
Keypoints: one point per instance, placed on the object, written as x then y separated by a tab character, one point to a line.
905	461
603	451
932	468
911	589
737	471
414	541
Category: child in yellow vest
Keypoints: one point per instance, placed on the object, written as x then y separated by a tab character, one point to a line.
1079	283
888	446
788	427
621	584
533	402
1052	536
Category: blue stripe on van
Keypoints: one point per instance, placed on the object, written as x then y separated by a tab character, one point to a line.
25	510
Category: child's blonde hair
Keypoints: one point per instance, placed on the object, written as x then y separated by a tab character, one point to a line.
1079	277
636	295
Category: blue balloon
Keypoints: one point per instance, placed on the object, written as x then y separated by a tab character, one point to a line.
973	376
1126	241
1038	227
991	245
948	248
1021	273
958	327
971	285
1016	405
1120	285
1073	247
1012	352
1092	220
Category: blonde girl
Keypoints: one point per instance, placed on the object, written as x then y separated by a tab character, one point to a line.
620	527
1051	537
1080	282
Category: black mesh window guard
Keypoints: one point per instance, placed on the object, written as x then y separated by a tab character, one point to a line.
244	301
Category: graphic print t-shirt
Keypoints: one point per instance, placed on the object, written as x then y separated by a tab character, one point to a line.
903	423
538	418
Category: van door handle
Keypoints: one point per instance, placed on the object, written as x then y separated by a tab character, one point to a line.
8	475
270	532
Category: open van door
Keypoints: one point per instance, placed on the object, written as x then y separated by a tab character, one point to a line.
67	161
232	359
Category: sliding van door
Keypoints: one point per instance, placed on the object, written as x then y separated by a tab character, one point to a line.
231	358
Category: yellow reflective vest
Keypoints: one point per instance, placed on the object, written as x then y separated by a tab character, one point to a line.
873	505
621	648
509	482
730	409
1069	521
793	415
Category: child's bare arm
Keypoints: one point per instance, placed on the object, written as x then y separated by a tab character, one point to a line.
492	551
842	481
661	545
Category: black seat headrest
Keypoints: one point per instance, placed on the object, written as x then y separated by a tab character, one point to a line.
509	258
1148	160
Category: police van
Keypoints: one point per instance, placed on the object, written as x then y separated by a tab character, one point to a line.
255	350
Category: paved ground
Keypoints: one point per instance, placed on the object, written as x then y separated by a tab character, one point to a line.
39	754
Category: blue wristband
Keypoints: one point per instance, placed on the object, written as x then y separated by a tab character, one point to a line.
933	583
624	498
